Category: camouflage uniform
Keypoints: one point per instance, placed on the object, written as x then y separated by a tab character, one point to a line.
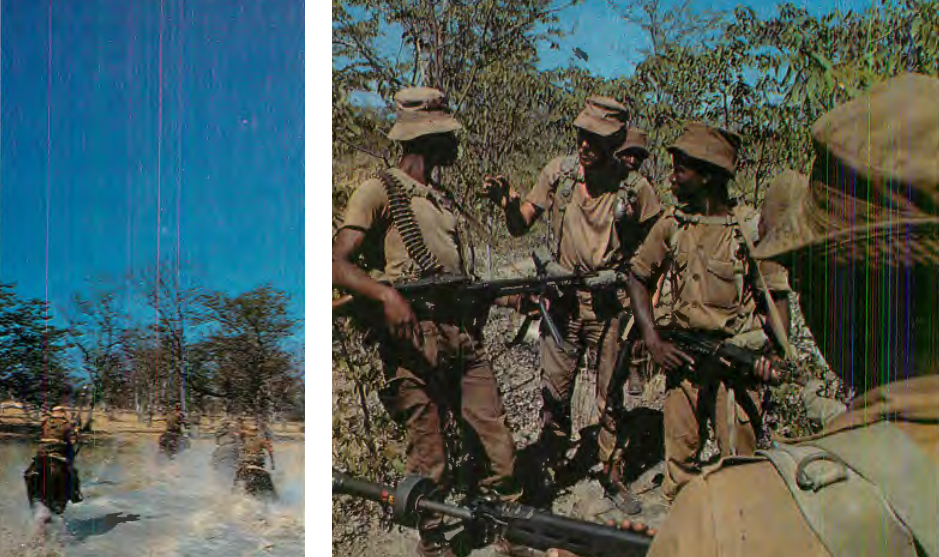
867	484
253	445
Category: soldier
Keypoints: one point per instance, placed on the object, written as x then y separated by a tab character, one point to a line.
172	440
701	247
58	439
432	354
862	247
176	420
598	211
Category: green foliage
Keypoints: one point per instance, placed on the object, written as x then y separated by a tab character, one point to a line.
32	352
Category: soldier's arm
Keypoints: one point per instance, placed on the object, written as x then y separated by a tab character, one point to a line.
365	208
520	214
646	267
398	314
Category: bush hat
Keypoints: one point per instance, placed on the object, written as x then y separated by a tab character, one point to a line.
421	111
874	188
602	116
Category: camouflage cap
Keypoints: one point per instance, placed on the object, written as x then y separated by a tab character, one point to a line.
709	144
421	111
603	116
874	189
636	140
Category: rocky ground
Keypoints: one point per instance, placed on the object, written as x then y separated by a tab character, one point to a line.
517	370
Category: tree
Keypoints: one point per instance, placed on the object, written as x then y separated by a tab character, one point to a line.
245	354
32	352
97	330
176	310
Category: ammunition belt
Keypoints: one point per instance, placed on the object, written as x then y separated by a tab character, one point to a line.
402	216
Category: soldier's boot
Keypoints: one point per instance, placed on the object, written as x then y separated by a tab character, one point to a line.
433	543
635	387
616	490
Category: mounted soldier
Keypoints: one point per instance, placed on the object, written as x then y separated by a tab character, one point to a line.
251	474
174	440
52	478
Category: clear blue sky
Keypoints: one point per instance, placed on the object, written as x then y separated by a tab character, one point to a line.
146	136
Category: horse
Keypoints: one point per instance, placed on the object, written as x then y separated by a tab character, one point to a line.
255	481
172	443
49	480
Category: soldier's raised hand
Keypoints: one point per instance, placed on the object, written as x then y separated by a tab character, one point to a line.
497	190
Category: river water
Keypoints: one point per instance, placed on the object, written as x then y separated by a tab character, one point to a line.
137	503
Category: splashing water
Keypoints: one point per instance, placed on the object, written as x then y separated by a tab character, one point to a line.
138	503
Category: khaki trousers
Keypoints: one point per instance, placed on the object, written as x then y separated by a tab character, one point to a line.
448	371
583	329
688	407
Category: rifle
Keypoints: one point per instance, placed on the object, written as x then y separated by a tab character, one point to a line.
460	291
736	362
517	524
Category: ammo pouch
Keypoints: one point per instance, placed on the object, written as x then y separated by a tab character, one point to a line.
864	491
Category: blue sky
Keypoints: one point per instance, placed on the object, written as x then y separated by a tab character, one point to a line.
146	136
613	45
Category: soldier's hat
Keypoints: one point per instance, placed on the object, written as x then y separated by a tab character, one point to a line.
785	190
421	111
58	411
602	116
874	189
251	426
636	140
715	146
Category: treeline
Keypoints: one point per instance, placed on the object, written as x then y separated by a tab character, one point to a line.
214	351
767	78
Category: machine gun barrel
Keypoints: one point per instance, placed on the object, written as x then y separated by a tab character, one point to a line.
516	523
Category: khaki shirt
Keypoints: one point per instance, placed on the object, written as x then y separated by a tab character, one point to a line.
58	429
707	272
588	239
747	509
384	249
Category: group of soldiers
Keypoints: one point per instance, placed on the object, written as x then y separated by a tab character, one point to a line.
60	440
857	239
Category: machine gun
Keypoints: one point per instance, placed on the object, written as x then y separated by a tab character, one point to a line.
517	524
459	291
